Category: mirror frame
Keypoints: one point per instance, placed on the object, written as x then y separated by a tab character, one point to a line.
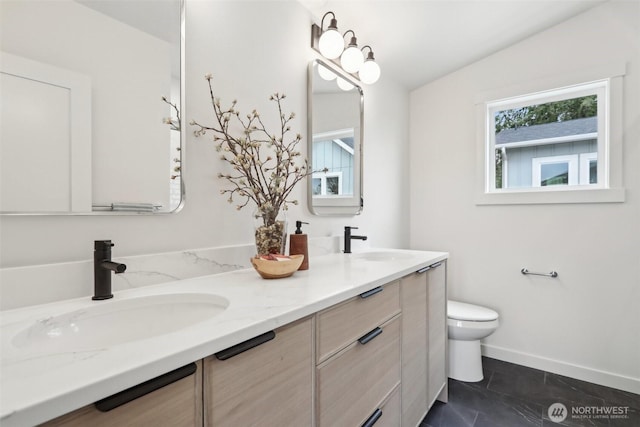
328	209
182	149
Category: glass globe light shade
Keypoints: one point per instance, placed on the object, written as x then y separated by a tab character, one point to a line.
331	44
352	59
344	85
326	73
369	72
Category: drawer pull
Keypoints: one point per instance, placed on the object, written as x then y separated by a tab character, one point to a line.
371	292
369	336
130	394
425	269
244	346
373	418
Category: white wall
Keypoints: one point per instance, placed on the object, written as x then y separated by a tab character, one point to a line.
253	49
585	323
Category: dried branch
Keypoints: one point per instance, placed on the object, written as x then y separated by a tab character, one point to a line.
176	124
265	180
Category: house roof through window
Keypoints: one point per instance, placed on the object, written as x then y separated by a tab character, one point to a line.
587	125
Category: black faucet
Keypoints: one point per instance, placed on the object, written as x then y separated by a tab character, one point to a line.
348	237
102	268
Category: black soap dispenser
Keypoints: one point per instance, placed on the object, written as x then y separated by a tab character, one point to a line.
298	245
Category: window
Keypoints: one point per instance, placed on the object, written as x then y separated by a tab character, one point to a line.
560	145
555	170
575	169
327	184
536	139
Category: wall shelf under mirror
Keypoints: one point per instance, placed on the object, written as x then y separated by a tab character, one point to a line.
335	126
92	97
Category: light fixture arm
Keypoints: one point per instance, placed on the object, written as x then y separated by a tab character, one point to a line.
353	41
370	54
333	23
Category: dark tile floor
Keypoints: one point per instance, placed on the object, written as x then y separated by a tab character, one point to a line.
513	396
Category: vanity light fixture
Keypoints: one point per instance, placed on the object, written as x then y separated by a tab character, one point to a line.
369	71
352	58
331	45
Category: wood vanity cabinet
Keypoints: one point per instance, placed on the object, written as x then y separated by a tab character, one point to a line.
266	385
358	361
376	359
415	347
438	336
424	341
176	404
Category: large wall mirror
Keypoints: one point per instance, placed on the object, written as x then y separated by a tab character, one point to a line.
90	106
335	113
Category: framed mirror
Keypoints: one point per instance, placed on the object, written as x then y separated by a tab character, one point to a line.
91	106
335	127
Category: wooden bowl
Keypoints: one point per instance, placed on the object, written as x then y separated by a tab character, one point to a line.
277	269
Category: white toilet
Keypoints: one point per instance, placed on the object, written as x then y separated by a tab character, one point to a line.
467	325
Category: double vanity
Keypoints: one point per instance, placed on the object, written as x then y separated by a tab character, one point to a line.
359	339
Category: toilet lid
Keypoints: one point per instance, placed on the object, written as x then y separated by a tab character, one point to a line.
463	311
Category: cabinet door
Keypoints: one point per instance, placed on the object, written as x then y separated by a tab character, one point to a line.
178	403
414	348
437	307
267	385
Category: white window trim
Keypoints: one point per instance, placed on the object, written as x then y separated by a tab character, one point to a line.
609	190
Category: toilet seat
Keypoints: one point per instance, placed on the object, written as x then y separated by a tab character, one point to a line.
469	312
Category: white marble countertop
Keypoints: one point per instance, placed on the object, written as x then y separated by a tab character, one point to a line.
38	386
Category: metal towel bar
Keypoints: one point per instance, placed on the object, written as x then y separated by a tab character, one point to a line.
550	274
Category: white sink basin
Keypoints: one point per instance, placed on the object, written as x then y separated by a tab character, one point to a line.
112	322
382	256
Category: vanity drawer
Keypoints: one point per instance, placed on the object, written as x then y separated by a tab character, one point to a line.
353	382
386	414
178	403
344	323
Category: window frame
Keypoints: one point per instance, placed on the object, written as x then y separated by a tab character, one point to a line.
572	168
322	176
608	189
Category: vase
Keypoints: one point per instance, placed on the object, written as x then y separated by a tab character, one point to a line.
270	231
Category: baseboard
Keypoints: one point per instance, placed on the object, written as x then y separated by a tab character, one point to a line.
583	373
